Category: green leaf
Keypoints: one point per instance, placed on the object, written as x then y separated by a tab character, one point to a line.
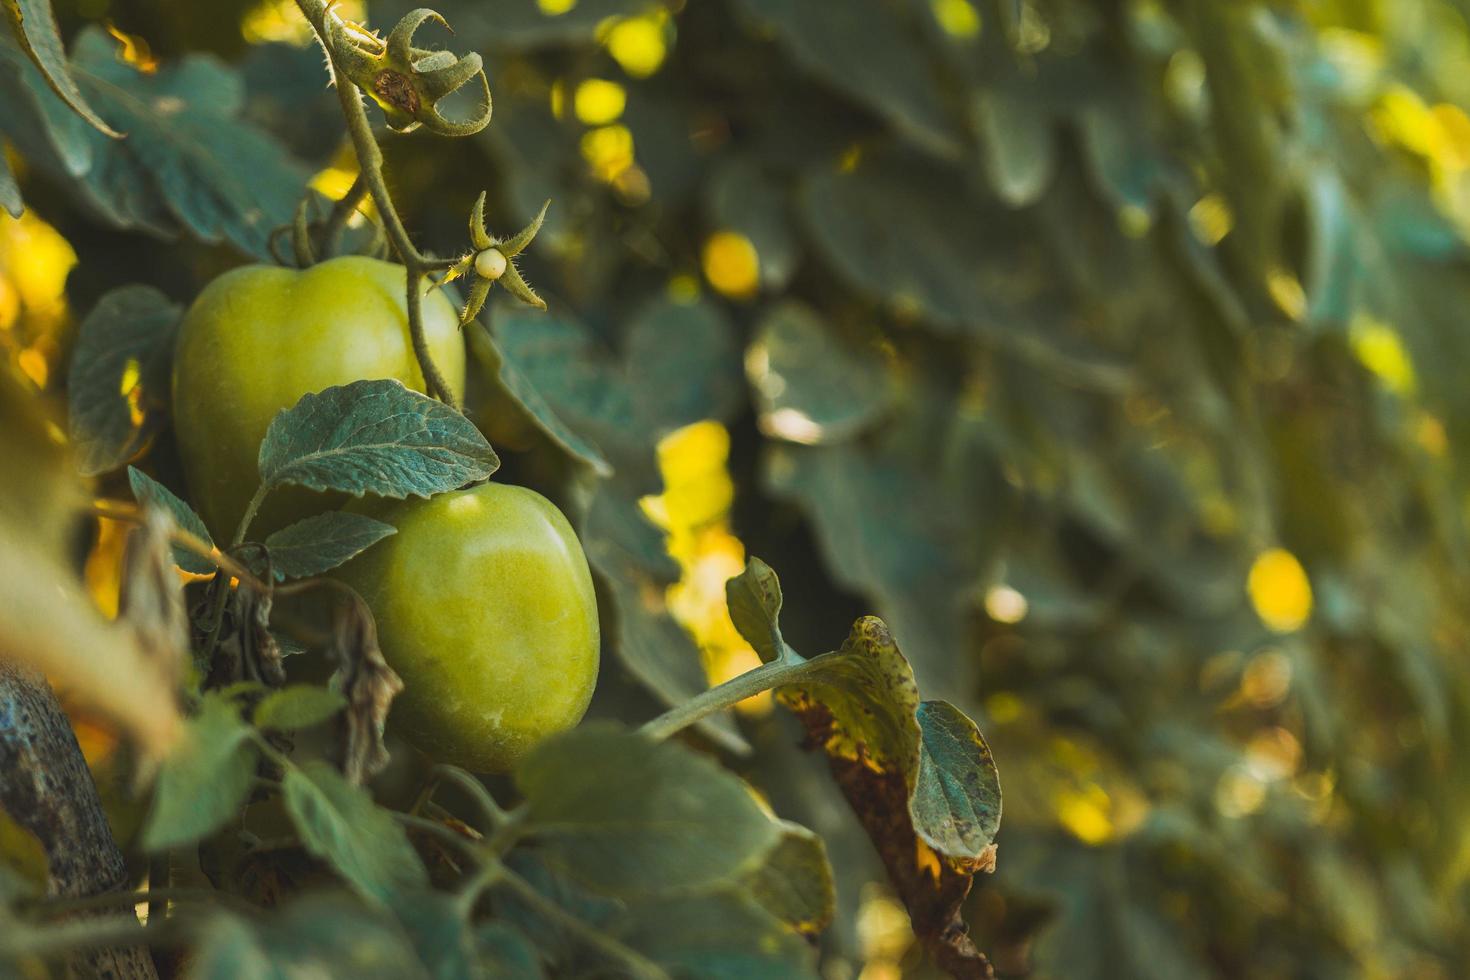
754	600
689	364
441	935
374	437
719	936
149	492
863	698
321	543
744	198
912	236
868	51
1019	144
205	781
118	383
794	882
522	394
34	27
630	817
339	823
956	802
190	164
505	952
320	934
10	198
581	383
812	384
298	706
628	554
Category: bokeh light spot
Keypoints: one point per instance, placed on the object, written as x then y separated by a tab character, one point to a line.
638	45
1279	590
731	264
958	18
599	102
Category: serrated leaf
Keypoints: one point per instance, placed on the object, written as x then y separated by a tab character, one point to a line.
147	490
754	600
34	27
863	699
298	706
956	802
204	782
813	384
117	385
629	816
794	881
320	543
375	437
340	824
189	165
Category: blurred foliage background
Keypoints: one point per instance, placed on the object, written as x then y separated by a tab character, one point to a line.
1111	350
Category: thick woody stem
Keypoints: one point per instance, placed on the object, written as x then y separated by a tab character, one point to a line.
46	788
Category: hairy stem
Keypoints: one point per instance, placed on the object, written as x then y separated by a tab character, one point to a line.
725	695
342	212
370	167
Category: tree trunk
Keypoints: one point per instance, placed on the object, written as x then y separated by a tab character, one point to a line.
45	786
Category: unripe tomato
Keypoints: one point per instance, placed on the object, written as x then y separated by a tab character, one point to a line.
485	608
258	338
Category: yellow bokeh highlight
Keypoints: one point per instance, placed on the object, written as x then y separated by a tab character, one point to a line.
599	102
638	44
1279	590
731	264
35	261
280	21
1211	219
694	513
555	8
1085	812
608	151
1287	292
958	18
1379	348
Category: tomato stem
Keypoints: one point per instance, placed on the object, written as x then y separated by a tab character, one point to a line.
370	173
787	670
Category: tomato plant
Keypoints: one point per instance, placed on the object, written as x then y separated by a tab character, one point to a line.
259	337
1088	371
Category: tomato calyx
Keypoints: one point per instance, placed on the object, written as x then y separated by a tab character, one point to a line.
407	82
492	262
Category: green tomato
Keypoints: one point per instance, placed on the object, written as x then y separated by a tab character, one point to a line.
485	608
260	337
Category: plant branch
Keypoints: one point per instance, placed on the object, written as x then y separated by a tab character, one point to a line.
737	689
342	212
370	172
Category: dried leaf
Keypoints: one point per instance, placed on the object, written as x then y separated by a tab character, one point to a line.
368	684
